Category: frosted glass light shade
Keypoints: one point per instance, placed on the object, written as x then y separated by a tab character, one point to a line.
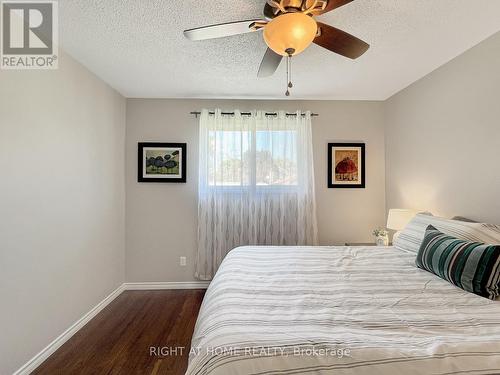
398	218
292	31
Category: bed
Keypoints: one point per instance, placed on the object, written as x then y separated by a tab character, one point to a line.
340	310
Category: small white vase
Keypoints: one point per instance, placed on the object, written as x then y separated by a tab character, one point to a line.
382	241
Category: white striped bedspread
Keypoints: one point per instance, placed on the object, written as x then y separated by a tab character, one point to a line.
340	310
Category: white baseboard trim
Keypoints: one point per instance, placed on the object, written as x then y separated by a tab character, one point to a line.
167	285
37	360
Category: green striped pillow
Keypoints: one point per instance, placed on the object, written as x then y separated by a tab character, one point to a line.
472	266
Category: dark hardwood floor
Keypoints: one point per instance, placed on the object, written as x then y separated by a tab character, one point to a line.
119	338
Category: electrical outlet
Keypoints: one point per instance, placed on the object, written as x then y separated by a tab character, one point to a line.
182	261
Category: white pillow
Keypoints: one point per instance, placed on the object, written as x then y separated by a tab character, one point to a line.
412	236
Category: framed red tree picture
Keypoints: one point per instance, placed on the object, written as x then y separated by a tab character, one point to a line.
346	165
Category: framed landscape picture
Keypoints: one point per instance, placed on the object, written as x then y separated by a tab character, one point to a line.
346	165
161	162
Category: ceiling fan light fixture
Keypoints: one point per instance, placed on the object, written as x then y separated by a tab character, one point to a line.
290	32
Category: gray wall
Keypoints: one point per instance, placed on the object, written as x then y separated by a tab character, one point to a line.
62	194
443	138
162	218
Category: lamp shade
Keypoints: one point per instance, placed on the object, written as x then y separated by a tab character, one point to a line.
290	33
398	218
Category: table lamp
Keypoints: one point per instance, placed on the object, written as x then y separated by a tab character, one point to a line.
397	220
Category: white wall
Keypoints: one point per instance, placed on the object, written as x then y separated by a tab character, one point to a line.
62	136
162	218
443	138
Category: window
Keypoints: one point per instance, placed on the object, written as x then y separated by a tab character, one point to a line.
260	158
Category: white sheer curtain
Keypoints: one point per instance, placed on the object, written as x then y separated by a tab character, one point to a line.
256	184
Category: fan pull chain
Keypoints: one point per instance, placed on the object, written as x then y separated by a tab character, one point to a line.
289	84
289	52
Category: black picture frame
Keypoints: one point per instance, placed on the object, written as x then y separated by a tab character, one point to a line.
332	182
142	149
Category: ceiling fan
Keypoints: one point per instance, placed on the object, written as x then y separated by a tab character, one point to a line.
289	28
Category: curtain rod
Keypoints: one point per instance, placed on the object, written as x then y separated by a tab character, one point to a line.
197	113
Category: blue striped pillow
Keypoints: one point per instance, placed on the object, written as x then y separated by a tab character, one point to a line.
472	266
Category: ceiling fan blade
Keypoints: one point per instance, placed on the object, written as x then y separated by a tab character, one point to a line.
340	42
269	63
331	5
222	30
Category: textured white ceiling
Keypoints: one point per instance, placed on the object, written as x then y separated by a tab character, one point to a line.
137	46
